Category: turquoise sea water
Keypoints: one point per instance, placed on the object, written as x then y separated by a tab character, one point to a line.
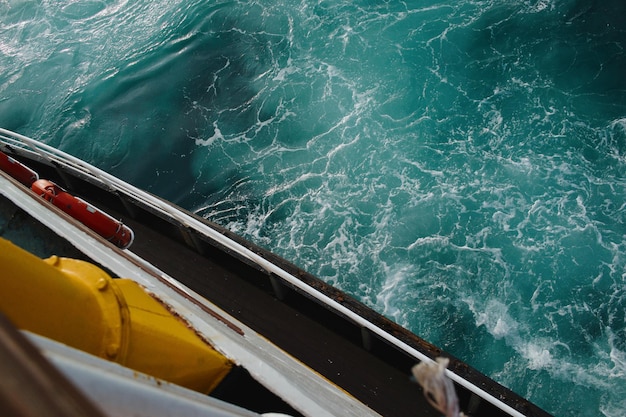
458	166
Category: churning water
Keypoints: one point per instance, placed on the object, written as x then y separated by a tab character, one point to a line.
459	166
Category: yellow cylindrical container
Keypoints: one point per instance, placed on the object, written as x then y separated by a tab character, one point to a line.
77	303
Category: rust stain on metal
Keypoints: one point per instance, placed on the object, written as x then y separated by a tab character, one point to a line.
204	308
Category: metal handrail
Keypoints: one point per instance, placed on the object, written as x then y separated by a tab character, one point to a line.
54	155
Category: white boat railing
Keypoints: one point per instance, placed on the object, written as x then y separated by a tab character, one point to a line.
58	157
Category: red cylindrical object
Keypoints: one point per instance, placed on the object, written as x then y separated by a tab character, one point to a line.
17	170
103	224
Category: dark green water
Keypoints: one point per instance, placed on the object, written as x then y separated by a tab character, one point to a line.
458	166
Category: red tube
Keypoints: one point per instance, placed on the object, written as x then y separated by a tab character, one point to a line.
103	224
17	170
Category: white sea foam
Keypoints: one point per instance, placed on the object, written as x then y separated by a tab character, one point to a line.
217	136
537	6
391	298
